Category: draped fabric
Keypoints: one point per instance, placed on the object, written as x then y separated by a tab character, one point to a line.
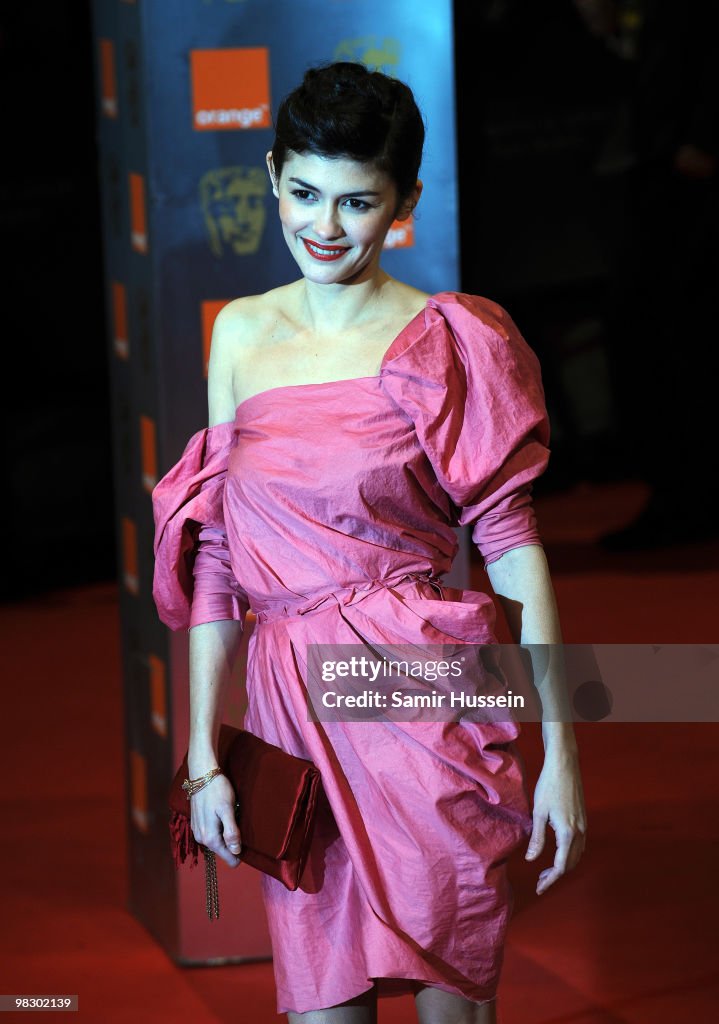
328	509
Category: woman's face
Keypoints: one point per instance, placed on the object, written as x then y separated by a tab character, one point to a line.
335	214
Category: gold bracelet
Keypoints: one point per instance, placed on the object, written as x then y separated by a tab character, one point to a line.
192	786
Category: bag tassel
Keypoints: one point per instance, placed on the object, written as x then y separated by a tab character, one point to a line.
185	845
182	840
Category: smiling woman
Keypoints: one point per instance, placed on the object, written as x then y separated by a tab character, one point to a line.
344	165
338	211
355	422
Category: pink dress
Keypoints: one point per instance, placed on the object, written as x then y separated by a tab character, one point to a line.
327	509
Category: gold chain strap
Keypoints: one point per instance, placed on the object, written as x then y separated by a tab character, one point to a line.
212	895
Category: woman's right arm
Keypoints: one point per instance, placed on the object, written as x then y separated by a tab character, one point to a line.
214	645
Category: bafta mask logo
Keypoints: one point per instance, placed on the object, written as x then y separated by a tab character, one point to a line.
380	54
233	203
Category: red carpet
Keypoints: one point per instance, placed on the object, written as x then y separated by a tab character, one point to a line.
629	938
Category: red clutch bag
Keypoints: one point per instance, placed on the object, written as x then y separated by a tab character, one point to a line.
276	796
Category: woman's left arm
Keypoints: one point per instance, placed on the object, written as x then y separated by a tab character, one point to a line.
520	579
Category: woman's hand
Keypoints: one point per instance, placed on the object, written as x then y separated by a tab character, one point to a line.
213	820
559	801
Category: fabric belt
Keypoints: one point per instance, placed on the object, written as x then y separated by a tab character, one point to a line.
346	595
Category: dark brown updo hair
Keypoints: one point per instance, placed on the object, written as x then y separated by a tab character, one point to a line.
346	110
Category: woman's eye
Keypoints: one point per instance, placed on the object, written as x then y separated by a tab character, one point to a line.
301	193
358	204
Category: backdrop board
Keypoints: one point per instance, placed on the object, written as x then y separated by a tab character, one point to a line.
185	103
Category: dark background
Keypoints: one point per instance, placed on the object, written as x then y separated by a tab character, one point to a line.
546	210
56	425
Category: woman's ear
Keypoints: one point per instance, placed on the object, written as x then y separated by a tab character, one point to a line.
273	176
407	207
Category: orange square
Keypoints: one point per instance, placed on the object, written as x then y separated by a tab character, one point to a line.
209	310
158	695
108	78
130	574
148	447
230	89
138	216
400	235
138	791
119	318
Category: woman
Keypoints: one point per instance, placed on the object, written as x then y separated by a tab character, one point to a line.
353	422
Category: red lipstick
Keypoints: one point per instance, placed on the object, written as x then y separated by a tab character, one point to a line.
324	253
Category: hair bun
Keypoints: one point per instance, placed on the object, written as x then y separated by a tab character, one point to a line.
345	109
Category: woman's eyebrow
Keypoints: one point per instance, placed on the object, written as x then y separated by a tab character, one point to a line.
345	195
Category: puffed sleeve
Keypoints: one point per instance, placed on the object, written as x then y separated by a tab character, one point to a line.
473	387
193	578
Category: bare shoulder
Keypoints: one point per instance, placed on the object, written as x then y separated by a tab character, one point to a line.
411	300
238	331
236	322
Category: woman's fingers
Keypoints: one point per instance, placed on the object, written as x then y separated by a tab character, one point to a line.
559	802
213	820
550	875
214	839
537	838
230	829
570	846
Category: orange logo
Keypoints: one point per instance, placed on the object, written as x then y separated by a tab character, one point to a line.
230	89
158	695
148	447
119	318
138	791
138	217
400	235
130	575
108	79
209	310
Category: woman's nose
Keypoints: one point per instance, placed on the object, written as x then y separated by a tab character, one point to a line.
327	223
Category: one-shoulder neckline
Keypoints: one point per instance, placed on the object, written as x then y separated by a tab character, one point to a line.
343	380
